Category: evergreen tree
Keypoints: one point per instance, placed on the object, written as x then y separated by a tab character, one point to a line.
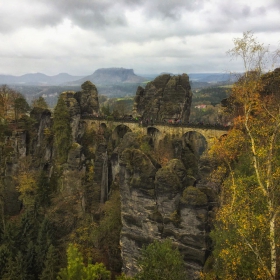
16	268
12	237
30	259
44	241
50	267
20	106
44	190
5	254
62	130
40	103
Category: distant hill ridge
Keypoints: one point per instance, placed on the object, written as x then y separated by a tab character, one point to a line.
100	76
38	79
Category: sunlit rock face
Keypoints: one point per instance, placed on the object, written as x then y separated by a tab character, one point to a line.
166	97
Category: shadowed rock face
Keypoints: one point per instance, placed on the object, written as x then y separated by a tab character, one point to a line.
79	103
164	98
158	203
88	98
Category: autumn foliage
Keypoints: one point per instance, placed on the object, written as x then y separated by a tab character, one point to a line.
247	232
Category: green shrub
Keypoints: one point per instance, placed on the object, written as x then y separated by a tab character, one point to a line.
161	261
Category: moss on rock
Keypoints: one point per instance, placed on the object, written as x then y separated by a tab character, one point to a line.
167	180
194	197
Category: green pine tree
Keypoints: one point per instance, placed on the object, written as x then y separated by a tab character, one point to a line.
40	103
50	268
62	130
16	268
44	241
5	254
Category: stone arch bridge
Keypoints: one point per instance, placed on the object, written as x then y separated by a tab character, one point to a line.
161	130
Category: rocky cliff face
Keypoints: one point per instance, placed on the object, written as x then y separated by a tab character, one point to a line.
84	102
167	97
157	203
88	98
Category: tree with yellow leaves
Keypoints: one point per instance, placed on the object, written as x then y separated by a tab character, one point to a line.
247	232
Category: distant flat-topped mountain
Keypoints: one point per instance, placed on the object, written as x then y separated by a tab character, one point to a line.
111	76
38	79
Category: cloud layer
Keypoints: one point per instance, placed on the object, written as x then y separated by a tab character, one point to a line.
80	36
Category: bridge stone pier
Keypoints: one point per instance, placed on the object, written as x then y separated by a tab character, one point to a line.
161	130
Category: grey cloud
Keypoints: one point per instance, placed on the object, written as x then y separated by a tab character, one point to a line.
276	4
22	16
110	13
246	11
86	14
90	14
234	11
172	9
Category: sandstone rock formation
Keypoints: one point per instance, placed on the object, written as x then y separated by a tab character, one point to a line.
84	102
157	203
166	97
88	98
41	144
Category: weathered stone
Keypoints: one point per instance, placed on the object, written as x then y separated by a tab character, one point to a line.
137	202
74	110
153	207
194	197
129	141
75	156
167	97
88	98
41	143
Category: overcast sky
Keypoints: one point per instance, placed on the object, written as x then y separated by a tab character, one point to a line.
150	36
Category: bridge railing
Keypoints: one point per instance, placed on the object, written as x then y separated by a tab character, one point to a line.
216	126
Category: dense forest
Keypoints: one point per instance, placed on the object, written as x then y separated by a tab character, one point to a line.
51	231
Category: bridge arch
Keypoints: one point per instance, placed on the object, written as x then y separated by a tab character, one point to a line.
103	125
118	133
196	141
155	135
